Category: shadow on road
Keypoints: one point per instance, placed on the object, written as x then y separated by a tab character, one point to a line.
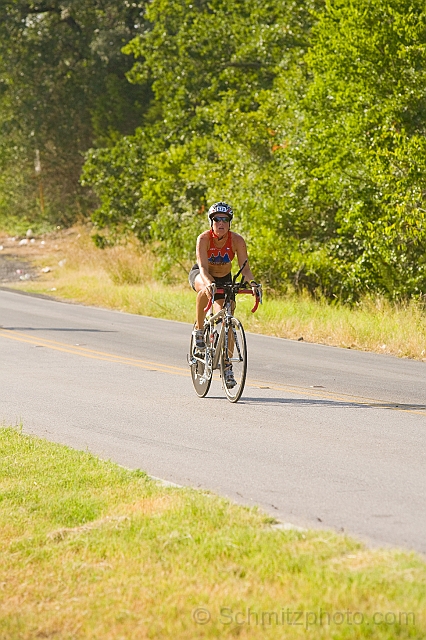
300	402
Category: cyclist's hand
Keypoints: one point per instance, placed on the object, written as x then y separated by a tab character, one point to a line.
257	289
209	290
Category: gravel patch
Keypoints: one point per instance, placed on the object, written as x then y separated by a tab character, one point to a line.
14	269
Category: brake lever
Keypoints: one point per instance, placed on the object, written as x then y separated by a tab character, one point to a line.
211	301
258	296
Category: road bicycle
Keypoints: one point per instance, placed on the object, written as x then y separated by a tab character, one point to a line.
225	343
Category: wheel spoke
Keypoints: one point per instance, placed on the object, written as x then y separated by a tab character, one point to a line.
201	374
234	345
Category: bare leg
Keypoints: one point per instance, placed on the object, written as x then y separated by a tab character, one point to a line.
202	301
201	304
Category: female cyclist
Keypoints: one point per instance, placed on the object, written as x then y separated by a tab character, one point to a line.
216	249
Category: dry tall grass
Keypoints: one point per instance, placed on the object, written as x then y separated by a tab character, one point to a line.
125	278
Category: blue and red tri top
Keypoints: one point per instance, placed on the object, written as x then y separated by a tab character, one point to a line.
225	255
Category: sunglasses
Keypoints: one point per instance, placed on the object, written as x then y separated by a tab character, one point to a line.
220	219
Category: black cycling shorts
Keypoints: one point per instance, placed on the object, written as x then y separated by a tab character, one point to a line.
219	281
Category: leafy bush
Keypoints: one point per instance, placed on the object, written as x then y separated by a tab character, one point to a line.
62	90
363	150
308	117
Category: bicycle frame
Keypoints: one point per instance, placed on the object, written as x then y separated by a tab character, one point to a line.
211	357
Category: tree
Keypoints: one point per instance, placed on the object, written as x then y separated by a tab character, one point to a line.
63	90
209	133
309	117
361	163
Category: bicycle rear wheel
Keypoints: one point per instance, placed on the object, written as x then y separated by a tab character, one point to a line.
234	353
198	366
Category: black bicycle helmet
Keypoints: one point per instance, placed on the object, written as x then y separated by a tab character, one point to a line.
220	207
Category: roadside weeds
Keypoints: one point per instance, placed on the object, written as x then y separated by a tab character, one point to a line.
92	550
70	267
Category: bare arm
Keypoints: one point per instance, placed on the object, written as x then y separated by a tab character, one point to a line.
202	260
241	251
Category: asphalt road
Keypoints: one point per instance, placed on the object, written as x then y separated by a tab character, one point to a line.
323	437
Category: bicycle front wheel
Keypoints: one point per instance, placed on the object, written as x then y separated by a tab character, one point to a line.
201	377
233	360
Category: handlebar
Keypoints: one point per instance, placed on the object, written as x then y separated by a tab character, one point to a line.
256	304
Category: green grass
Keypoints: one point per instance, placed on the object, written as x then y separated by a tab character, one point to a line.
123	278
92	550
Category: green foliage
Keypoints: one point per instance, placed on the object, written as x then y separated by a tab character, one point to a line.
62	90
363	151
116	174
309	117
209	133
